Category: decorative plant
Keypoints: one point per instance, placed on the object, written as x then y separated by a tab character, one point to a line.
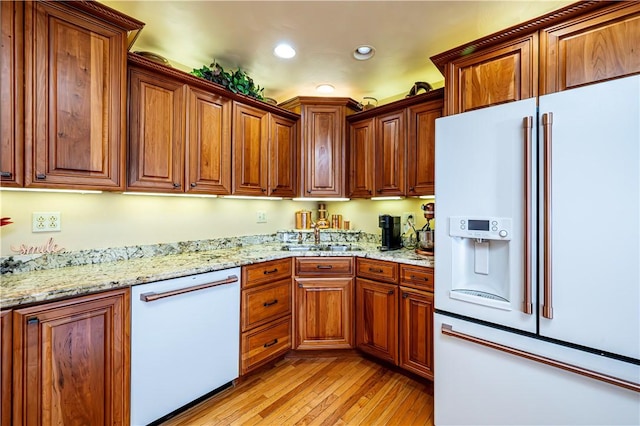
237	81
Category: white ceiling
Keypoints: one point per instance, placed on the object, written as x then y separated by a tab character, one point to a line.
324	33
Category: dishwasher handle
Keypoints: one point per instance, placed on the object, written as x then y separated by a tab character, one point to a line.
151	296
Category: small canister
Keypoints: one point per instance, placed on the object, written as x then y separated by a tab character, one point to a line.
299	220
306	219
346	225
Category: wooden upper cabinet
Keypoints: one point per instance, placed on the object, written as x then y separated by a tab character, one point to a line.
421	147
12	94
283	157
157	109
250	150
71	361
361	159
75	102
323	145
391	148
582	43
591	48
208	147
504	73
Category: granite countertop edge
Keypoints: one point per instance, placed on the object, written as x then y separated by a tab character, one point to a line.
27	288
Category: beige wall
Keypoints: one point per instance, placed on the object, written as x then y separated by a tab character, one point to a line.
116	220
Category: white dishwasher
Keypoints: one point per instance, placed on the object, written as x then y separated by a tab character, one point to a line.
184	341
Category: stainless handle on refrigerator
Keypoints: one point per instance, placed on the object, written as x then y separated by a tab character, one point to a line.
151	296
547	304
527	305
448	330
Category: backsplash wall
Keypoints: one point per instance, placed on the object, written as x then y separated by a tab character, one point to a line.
114	220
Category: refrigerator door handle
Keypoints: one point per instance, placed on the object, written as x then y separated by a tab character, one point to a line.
547	304
527	124
448	330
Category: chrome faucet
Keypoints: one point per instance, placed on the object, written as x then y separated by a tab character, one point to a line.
316	233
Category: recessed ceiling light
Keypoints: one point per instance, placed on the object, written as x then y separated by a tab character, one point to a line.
364	52
325	88
284	51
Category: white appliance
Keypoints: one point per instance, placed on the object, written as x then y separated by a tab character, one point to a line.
184	341
538	265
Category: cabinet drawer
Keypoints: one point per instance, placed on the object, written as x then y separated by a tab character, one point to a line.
265	272
417	277
265	303
323	266
265	343
378	270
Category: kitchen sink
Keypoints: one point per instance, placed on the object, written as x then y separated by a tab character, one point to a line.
320	247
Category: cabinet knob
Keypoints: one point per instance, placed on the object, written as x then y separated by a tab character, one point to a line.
193	184
370	192
263	189
379	191
6	174
176	185
41	176
405	295
308	191
390	292
412	189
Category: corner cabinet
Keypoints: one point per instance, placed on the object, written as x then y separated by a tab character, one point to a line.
75	95
583	43
323	145
71	361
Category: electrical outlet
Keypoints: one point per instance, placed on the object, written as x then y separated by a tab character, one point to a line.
261	217
46	222
404	221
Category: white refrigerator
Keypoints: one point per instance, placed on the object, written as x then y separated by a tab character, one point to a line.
538	261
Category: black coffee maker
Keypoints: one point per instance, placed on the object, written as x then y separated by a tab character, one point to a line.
391	235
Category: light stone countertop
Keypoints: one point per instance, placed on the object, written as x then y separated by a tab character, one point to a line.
22	288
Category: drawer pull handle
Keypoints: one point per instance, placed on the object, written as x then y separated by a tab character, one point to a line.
41	176
32	320
5	174
273	302
376	270
413	277
324	266
273	342
390	292
271	271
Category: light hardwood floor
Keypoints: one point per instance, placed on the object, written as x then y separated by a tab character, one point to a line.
344	390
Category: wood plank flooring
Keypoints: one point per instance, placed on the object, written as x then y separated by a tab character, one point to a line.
344	390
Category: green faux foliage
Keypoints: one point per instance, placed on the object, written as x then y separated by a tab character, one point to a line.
237	81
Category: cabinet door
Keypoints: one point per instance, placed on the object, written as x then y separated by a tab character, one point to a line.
361	159
391	147
596	47
377	319
421	147
324	313
505	73
156	132
11	92
250	150
6	374
208	149
283	157
416	332
72	360
74	99
323	151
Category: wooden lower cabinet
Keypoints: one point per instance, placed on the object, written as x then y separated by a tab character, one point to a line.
324	313
6	372
416	331
377	319
265	313
71	361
